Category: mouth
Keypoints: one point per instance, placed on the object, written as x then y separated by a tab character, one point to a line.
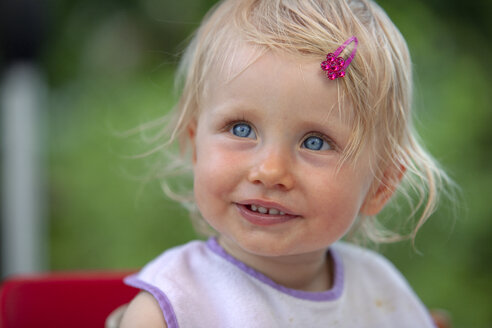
265	210
263	213
266	207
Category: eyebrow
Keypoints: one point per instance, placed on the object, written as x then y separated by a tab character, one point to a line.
224	107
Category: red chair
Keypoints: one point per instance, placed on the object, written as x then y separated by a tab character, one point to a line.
76	299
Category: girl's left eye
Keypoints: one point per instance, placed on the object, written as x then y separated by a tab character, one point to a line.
243	130
316	143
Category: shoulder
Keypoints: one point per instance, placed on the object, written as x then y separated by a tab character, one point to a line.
143	311
374	286
178	261
358	257
178	256
166	282
372	272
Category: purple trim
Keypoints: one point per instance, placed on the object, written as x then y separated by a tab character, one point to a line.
164	303
330	295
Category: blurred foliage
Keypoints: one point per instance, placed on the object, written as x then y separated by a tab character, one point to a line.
110	65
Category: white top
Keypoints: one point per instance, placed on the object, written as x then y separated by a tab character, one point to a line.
200	285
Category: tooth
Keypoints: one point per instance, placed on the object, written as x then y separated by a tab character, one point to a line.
273	211
281	213
254	208
262	210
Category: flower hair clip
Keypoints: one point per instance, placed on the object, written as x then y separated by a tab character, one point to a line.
335	66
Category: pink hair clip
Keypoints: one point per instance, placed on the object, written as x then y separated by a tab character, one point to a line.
335	66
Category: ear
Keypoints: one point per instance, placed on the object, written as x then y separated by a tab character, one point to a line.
191	132
382	190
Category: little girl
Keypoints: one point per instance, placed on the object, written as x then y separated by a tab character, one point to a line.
295	116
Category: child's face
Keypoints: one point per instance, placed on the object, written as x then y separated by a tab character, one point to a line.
272	138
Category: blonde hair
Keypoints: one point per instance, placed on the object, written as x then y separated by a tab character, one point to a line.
378	84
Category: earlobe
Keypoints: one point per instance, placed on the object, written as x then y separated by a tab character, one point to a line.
382	190
191	133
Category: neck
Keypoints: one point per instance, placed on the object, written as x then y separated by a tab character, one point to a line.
311	272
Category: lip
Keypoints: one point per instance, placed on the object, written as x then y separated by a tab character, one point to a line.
260	219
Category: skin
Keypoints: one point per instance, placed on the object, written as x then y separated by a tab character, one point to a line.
284	102
143	311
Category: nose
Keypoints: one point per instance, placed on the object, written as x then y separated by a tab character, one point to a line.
273	171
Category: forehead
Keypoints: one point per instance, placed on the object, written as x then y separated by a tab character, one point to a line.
253	74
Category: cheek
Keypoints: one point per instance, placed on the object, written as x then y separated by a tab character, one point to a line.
215	170
339	196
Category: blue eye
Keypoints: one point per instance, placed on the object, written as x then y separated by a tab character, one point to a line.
243	130
316	143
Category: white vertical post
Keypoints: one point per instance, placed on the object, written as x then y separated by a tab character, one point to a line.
24	239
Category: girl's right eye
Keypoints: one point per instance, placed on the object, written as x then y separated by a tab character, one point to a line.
243	130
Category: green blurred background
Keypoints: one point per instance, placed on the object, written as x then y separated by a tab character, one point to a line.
109	66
